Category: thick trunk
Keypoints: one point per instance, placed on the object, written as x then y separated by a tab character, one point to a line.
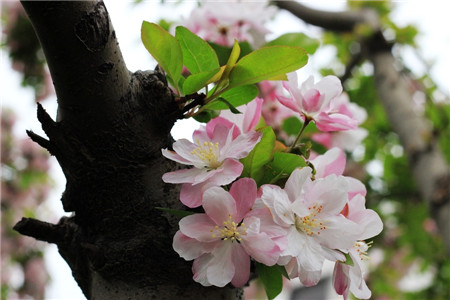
108	136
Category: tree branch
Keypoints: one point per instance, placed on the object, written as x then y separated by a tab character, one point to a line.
79	44
334	21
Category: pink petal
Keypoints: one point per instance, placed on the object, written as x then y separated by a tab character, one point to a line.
241	262
191	195
242	145
330	192
278	203
312	102
200	268
295	182
290	103
330	86
184	148
219	205
198	226
252	115
340	233
220	120
334	122
189	248
229	171
262	249
172	155
340	280
221	270
183	176
355	187
331	162
244	193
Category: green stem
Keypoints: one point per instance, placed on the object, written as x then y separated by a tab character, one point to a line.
307	121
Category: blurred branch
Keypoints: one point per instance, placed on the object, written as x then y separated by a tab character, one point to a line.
428	165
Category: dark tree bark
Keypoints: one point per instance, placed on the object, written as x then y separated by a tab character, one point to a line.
110	129
429	167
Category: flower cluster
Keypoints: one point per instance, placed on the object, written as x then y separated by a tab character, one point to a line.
224	22
296	220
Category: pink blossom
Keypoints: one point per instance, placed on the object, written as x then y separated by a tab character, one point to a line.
223	22
222	240
310	211
348	278
346	139
333	162
314	101
245	122
273	111
214	157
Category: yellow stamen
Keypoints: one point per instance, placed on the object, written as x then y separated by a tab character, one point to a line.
309	224
208	152
230	230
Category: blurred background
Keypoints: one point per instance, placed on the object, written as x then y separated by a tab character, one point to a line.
408	258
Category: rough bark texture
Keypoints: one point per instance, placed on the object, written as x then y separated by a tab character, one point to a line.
108	136
429	167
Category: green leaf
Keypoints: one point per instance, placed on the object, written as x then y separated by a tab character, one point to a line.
198	55
223	52
296	40
206	115
287	162
231	62
260	155
292	125
233	109
223	83
266	63
164	48
195	82
271	279
237	96
175	212
281	167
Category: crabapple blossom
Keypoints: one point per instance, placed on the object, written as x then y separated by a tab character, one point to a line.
273	111
222	240
244	122
347	139
214	157
348	278
310	212
333	162
223	22
314	102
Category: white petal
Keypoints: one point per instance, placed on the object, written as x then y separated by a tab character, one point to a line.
221	269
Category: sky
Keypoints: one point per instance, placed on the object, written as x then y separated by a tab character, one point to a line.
430	16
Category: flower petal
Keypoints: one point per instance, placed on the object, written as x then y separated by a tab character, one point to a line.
221	270
295	182
200	268
331	162
198	226
219	204
278	203
241	262
244	193
184	175
191	195
189	248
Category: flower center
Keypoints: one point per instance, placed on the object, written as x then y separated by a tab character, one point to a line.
361	248
208	152
309	224
230	230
